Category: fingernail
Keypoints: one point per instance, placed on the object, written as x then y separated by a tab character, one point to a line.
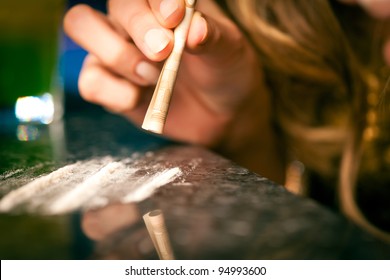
156	40
147	72
168	7
202	29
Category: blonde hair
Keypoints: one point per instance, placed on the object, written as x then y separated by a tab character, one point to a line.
319	82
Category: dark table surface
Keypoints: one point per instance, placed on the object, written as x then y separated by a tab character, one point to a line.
78	189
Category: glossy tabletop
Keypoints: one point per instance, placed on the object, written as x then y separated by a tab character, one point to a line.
95	187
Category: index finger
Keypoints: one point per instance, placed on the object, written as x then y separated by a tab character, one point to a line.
140	19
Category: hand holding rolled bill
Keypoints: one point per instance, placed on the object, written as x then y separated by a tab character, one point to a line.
158	108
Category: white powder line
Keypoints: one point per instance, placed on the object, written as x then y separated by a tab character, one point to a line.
147	188
75	198
77	185
24	193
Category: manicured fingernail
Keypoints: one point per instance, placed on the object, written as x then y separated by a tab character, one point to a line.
147	72
168	7
156	40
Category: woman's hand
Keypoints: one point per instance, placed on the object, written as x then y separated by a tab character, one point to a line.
219	100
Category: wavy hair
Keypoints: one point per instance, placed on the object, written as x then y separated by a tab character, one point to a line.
319	70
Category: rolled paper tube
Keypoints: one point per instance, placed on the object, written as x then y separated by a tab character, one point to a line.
155	225
158	108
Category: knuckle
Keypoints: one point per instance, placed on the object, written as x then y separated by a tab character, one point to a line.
74	15
89	84
129	103
137	17
126	105
117	56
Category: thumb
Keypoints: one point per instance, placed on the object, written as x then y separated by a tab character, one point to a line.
216	38
198	33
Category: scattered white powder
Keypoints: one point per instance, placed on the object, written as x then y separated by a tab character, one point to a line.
89	184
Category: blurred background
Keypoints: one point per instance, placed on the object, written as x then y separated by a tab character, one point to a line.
71	59
40	64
